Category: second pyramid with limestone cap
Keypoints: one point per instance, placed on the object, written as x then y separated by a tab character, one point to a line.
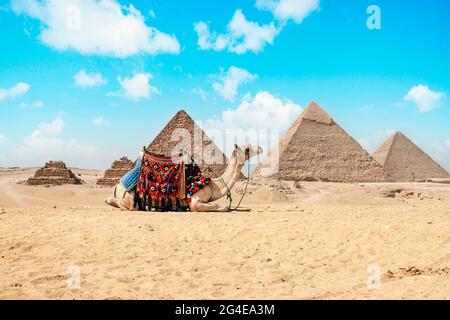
316	148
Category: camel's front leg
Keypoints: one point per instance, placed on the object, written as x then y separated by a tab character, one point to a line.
127	202
197	206
200	202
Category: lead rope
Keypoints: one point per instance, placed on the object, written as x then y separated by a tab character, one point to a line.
228	193
245	190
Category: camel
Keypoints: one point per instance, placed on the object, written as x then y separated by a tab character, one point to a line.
200	201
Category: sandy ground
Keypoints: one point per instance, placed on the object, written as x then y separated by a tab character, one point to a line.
295	241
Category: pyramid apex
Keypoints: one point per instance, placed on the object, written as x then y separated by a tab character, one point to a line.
181	115
182	112
316	113
398	135
315	104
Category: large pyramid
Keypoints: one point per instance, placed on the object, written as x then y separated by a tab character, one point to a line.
316	148
183	134
405	161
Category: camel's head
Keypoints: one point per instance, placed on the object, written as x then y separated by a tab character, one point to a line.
247	151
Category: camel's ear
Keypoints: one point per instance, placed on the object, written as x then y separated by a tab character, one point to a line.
236	146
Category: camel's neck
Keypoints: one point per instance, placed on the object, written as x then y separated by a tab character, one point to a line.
227	180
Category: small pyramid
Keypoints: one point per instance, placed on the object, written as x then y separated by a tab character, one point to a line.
316	148
405	161
117	170
54	173
182	134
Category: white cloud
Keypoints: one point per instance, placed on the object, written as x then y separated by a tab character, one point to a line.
199	92
100	121
18	90
3	138
86	80
260	120
137	87
263	111
35	105
424	98
284	10
447	143
46	143
51	128
231	80
96	27
242	35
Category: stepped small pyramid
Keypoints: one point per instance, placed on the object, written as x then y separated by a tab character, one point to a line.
182	134
54	173
315	148
117	170
405	161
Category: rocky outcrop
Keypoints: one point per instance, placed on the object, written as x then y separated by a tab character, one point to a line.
54	173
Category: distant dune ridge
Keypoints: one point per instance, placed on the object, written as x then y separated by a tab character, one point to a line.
405	161
316	148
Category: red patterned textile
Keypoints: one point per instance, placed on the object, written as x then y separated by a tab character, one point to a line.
161	183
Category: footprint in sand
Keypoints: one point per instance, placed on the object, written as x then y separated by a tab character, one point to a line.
414	271
217	294
45	279
126	279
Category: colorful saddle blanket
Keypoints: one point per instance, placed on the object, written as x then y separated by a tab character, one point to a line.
161	183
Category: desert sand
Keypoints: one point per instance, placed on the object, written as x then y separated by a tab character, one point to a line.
305	240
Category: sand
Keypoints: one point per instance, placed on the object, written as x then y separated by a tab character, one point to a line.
307	240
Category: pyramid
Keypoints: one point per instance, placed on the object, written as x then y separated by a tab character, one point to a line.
315	148
182	134
405	161
117	170
54	173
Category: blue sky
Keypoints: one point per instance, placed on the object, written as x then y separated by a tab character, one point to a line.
89	81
